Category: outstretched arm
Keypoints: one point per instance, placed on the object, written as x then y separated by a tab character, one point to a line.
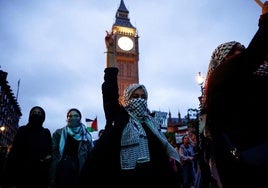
259	3
110	45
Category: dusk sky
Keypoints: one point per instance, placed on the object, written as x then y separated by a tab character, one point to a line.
56	49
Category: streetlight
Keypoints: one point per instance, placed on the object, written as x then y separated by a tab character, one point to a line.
200	80
2	129
202	109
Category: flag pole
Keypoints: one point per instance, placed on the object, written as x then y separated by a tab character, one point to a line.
18	88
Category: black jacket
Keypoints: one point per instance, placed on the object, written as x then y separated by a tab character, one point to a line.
104	160
237	111
26	165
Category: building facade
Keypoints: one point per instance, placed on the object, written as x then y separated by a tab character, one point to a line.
10	113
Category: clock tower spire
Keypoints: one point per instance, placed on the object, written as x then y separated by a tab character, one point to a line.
126	47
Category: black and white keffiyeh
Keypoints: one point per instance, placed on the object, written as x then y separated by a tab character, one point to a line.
217	58
130	89
134	141
137	107
262	70
134	145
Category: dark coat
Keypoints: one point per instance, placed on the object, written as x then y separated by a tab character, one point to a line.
104	161
77	152
26	165
238	108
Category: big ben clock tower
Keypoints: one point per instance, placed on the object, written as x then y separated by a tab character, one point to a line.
126	47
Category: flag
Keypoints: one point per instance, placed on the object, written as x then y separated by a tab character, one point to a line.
93	124
88	120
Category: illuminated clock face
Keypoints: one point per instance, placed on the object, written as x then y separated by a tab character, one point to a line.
125	43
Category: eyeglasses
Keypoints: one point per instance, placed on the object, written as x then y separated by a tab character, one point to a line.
74	115
136	96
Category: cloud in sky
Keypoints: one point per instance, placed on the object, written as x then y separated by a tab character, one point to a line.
56	48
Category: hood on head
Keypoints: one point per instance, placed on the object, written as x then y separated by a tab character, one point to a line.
37	115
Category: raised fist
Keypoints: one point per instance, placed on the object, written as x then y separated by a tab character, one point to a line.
109	41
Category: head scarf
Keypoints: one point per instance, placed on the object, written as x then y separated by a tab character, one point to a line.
79	132
134	141
217	57
219	54
72	123
36	120
130	89
263	69
136	106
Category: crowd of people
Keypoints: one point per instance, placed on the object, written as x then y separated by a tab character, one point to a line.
133	150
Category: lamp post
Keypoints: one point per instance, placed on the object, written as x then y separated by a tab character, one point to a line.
200	81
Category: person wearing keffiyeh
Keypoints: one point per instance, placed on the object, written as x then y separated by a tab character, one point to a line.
70	147
132	150
235	102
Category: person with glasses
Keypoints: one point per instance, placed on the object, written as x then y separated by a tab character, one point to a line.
132	151
235	100
71	145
